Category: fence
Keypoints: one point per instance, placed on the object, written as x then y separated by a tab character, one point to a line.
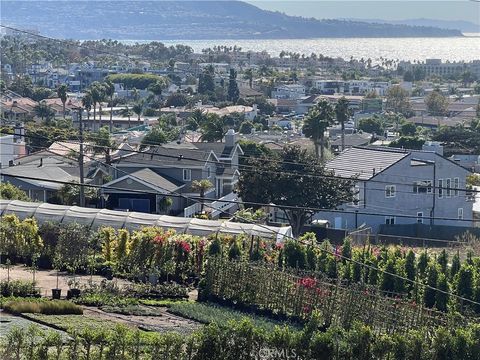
285	294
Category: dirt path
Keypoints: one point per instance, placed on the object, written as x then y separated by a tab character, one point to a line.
163	322
47	279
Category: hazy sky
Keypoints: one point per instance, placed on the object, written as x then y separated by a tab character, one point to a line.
380	9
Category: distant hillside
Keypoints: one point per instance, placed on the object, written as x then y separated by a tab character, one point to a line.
163	20
463	26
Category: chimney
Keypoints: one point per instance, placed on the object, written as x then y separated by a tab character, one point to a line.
230	138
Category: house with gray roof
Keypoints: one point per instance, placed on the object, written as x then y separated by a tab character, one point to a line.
396	186
141	181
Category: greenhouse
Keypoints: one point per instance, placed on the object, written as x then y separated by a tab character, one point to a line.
95	218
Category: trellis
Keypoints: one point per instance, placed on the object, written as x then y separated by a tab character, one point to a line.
268	289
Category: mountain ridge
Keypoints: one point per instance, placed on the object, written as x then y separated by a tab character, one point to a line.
187	20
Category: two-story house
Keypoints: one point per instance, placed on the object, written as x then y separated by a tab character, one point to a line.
143	180
396	186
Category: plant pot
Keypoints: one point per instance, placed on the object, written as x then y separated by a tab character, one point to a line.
73	293
56	293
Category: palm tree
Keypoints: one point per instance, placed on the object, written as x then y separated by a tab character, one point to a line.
248	75
87	104
126	112
316	123
201	186
138	109
342	113
62	94
103	144
96	92
158	86
44	111
110	91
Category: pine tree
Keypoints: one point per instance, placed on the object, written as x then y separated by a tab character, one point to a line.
432	278
422	264
410	268
465	281
443	261
441	298
388	279
455	267
233	92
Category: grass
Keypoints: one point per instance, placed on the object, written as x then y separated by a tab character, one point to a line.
145	307
72	322
208	313
54	307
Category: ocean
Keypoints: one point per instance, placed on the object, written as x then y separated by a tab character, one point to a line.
452	49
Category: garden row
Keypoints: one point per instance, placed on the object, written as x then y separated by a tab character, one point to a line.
241	340
154	254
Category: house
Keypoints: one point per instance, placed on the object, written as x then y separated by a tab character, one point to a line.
288	91
351	140
42	174
143	179
396	186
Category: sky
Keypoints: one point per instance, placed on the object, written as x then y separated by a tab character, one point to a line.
468	10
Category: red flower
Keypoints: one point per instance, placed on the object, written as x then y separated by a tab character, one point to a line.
185	246
307	282
159	239
279	246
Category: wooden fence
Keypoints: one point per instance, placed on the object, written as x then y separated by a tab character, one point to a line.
284	294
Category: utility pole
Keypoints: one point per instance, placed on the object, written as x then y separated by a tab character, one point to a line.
80	158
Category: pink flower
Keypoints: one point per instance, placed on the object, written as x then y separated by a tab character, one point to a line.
307	282
159	239
279	246
185	246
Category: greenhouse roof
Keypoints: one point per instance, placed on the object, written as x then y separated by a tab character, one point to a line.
95	218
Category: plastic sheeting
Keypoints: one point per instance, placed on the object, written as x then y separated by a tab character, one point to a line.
134	220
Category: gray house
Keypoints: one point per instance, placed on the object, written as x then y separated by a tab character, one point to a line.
142	180
398	186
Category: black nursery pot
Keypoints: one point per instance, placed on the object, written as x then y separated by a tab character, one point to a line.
73	293
56	293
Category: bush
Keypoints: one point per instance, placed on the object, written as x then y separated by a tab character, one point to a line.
21	288
54	307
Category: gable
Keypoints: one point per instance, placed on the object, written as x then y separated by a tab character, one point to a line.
129	184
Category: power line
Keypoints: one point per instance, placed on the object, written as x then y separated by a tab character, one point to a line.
152	154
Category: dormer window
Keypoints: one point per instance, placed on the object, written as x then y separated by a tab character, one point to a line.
187	174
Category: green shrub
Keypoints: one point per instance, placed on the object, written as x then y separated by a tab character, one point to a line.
21	288
54	307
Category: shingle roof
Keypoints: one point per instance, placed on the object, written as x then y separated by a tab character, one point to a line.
353	140
364	162
152	178
168	156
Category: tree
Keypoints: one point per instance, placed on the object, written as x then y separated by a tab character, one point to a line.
155	137
196	119
408	129
176	100
372	125
103	143
137	108
342	113
398	100
294	181
318	119
408	76
432	279
246	127
441	297
437	103
408	142
97	93
158	86
109	92
126	112
212	129
201	186
464	281
62	94
44	111
87	102
248	75
233	92
11	192
206	83
72	247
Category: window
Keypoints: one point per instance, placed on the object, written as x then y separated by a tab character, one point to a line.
187	174
456	185
390	191
420	217
390	220
422	187
440	188
448	186
460	213
209	172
